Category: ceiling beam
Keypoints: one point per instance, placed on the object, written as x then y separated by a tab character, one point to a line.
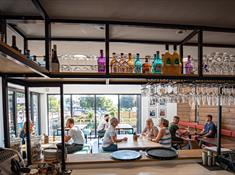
189	37
140	24
17	30
40	9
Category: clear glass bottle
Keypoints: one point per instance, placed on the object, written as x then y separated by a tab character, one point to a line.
101	62
114	64
55	65
130	64
157	64
138	64
123	64
146	68
188	66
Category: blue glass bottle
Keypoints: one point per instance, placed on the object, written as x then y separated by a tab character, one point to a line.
138	64
157	64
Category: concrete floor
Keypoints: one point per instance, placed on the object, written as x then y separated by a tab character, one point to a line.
166	169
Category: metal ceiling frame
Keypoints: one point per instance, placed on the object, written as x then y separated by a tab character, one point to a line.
44	16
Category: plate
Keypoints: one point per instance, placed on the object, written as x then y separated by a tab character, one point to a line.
126	155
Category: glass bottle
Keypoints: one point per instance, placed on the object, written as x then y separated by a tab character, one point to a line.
157	64
114	64
123	64
101	62
138	64
14	43
146	68
177	65
55	65
188	66
130	64
166	58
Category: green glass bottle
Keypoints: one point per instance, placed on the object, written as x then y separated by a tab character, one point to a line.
157	64
138	64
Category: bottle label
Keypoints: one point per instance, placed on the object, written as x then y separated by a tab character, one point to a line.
168	61
55	67
115	69
177	62
137	69
101	68
158	68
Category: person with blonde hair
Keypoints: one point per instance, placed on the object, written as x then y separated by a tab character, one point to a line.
110	137
23	131
150	130
164	135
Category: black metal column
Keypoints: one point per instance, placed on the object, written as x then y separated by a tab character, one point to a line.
182	57
14	112
62	126
107	47
48	43
95	116
5	112
3	29
219	124
28	137
200	53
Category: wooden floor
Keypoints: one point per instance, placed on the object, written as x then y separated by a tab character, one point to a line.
166	169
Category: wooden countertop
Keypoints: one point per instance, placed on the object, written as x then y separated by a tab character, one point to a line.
101	158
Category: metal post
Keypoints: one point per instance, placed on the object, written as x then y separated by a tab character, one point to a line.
28	139
62	126
95	116
219	124
5	112
14	112
200	53
48	43
107	47
182	56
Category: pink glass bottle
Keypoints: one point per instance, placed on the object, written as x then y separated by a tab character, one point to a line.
101	62
189	66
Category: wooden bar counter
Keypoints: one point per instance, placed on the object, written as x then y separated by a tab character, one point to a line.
104	160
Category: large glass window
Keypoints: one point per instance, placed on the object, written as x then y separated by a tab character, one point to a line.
54	114
83	107
20	110
35	113
129	109
86	109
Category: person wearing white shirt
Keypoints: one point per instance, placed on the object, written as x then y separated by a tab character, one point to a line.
103	126
74	141
110	137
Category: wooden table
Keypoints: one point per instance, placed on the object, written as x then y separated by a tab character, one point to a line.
213	141
126	127
142	143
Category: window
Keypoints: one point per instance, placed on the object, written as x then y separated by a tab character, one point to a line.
88	110
16	109
54	114
129	110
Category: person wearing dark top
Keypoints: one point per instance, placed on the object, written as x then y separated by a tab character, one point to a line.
209	129
174	128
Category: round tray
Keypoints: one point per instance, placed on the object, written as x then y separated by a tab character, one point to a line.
126	155
162	153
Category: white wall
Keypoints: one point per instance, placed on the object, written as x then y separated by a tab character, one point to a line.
1	117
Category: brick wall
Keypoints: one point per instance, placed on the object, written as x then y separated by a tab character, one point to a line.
186	113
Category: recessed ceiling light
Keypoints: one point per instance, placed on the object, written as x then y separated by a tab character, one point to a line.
181	31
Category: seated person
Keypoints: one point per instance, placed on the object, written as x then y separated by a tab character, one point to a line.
75	138
209	129
177	134
103	126
150	130
110	137
164	135
23	131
